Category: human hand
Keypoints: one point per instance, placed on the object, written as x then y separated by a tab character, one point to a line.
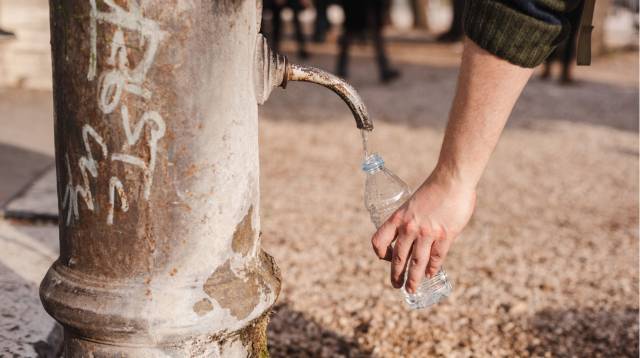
424	228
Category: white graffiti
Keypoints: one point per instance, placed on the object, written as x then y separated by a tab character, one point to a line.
69	201
116	185
87	165
157	132
131	20
117	80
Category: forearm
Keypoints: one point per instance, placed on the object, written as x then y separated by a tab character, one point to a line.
487	90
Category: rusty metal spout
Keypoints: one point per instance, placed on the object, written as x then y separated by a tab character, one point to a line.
273	70
339	86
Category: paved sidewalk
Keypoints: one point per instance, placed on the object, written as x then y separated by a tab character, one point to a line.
27	185
26	253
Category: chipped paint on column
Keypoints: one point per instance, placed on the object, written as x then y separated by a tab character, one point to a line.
157	156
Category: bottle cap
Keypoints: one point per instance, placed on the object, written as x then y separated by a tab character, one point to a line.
372	162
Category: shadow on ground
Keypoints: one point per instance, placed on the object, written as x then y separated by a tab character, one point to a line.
25	329
422	96
292	334
18	168
585	333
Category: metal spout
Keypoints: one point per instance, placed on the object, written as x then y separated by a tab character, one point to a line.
341	87
273	70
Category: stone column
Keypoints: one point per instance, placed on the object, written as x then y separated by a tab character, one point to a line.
157	160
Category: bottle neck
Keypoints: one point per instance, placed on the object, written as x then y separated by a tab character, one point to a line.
373	170
372	163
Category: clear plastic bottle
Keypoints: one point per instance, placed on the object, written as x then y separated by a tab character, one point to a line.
384	193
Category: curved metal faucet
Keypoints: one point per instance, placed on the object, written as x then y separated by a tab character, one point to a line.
274	70
339	86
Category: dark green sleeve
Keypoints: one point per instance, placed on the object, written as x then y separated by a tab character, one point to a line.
523	32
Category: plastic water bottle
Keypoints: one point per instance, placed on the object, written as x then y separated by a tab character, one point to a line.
384	193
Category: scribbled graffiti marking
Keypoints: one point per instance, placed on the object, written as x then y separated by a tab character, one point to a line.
87	165
119	79
131	20
157	125
115	185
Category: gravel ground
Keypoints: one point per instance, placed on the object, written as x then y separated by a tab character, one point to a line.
548	265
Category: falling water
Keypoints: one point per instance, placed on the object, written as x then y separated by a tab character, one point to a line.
365	139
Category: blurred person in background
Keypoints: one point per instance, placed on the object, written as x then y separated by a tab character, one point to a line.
276	7
503	42
321	25
455	32
565	53
362	17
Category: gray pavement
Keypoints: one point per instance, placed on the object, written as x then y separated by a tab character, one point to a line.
26	253
27	185
38	200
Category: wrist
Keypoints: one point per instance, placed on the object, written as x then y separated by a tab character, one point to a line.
453	177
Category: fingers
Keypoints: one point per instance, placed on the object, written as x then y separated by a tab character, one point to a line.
401	250
418	262
383	238
439	250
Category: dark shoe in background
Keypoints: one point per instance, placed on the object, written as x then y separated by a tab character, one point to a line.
6	33
389	75
303	54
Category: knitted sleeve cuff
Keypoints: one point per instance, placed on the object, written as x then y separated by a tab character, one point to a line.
511	35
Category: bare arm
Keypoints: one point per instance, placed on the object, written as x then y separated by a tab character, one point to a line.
426	225
488	88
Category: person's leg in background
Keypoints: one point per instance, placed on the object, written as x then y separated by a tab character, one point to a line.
546	69
343	54
455	32
569	54
297	7
565	52
353	23
378	11
321	25
276	24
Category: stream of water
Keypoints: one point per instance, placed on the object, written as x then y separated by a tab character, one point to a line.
365	139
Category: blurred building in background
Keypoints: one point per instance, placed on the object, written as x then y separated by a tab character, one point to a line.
25	59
